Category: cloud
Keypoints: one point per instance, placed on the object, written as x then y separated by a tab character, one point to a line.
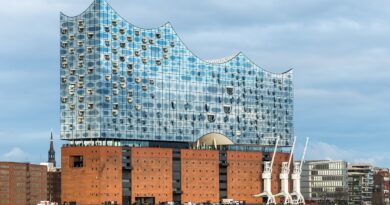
319	150
15	155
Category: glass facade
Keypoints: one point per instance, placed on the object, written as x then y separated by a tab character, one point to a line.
122	82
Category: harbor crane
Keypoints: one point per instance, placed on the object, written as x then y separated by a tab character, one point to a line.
266	176
284	175
296	195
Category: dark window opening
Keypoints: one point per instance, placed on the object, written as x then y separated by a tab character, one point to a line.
77	161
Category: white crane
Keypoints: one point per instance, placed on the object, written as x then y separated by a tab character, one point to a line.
296	194
284	192
266	175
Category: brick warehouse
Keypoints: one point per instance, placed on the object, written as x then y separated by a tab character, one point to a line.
125	175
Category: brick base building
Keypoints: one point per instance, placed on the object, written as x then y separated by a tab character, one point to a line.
153	175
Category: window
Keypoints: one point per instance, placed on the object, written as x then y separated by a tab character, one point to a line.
64	99
227	109
81	29
211	117
64	30
77	161
229	90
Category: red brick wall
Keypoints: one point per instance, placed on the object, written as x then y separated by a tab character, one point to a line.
151	174
200	176
22	183
244	176
100	178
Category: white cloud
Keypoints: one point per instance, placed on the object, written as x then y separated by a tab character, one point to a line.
15	155
319	150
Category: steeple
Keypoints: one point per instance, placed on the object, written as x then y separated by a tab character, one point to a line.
52	153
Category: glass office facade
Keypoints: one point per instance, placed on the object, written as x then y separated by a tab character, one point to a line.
325	180
123	82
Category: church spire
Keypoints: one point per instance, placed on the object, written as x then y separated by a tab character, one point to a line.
52	153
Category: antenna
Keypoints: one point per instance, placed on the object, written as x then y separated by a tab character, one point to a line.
292	152
304	153
273	156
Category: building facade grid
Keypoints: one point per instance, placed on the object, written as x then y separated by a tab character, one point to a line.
122	82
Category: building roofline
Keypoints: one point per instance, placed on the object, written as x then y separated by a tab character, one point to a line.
219	61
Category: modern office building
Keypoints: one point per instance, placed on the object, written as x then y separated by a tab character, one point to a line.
360	184
324	181
22	183
147	121
381	195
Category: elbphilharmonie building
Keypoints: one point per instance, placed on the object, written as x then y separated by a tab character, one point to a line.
148	122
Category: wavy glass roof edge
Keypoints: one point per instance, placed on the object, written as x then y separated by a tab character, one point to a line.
223	60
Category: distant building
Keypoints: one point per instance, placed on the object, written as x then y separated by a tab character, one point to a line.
325	181
381	187
360	184
53	176
22	183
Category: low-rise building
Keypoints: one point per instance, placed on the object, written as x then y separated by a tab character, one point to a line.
360	184
22	183
381	187
325	181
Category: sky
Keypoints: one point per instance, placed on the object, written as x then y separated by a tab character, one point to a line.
339	50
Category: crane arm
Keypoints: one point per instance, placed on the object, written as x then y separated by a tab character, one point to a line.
304	153
273	156
292	152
